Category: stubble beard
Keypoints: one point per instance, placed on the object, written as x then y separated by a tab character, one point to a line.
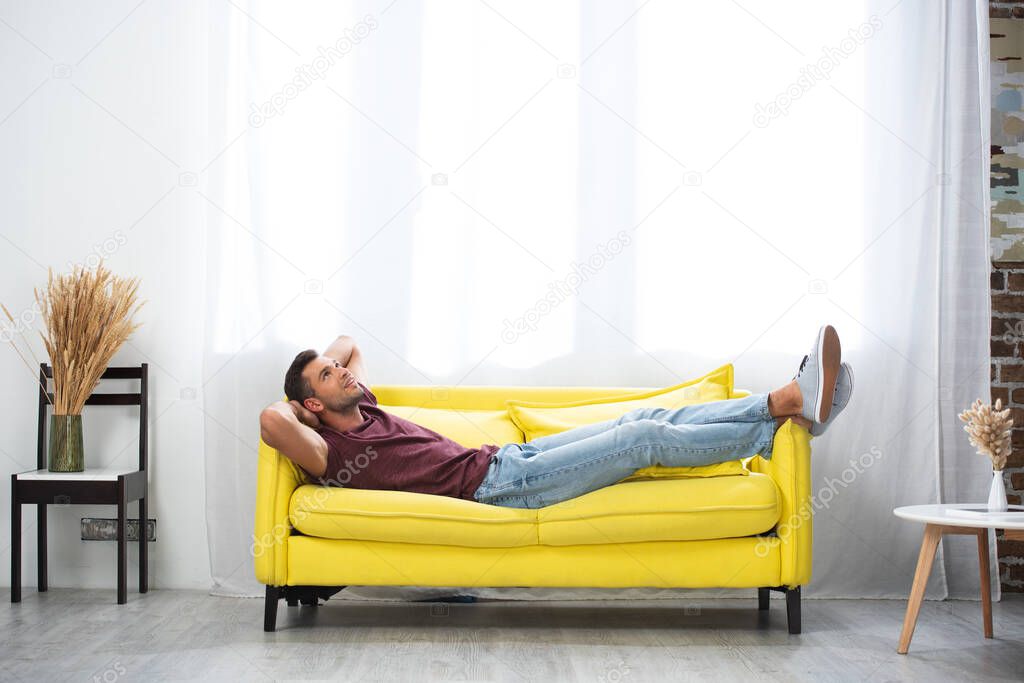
346	402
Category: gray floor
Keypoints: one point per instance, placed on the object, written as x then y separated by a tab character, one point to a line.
81	635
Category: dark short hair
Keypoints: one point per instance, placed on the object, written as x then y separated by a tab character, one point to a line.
297	387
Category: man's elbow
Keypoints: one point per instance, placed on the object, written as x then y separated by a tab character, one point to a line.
269	415
270	424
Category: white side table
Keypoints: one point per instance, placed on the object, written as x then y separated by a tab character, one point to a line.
939	521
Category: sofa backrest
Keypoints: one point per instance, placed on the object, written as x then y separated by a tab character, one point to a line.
489	398
470	397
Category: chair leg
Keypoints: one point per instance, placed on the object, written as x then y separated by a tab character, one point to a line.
122	545
762	598
15	541
41	545
143	548
273	596
793	609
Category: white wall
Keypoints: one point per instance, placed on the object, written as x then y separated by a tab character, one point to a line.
102	111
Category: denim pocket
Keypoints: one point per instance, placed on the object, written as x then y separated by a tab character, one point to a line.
490	480
493	476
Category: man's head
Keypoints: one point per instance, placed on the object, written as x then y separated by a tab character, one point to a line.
320	383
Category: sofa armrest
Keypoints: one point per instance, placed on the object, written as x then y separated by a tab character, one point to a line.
790	468
276	478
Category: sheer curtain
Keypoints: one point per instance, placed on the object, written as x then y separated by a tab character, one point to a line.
623	194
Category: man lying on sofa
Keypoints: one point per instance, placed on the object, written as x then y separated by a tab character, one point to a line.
333	418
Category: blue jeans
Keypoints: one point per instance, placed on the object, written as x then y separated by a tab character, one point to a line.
554	468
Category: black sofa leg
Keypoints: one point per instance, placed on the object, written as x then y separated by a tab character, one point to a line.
309	596
270	608
793	609
762	598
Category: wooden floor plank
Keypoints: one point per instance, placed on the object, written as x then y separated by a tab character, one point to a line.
68	634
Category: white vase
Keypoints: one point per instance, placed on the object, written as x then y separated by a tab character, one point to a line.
997	493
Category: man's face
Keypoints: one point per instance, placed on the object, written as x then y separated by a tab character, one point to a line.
334	387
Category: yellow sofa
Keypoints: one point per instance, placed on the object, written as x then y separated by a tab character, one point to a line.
746	530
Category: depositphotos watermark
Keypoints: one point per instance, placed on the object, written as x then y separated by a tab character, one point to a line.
560	290
114	670
326	58
101	251
816	71
282	530
614	673
822	499
26	318
22	322
1014	333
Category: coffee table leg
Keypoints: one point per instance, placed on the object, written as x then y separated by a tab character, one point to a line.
986	587
932	536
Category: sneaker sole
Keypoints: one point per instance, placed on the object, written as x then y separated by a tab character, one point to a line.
819	429
829	358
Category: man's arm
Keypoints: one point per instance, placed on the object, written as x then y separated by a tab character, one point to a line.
344	349
280	428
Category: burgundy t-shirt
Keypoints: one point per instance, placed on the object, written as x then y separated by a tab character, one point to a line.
392	453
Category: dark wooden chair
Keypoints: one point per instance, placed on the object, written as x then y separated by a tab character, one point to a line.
102	486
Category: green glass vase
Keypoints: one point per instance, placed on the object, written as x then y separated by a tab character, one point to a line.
66	449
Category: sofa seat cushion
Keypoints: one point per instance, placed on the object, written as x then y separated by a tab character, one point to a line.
664	510
728	468
627	512
404	517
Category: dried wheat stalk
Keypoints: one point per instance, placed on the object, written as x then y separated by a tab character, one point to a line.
21	333
989	430
88	316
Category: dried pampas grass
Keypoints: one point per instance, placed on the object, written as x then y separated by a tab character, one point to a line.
88	316
989	429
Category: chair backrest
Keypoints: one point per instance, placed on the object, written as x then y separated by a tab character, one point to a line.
140	398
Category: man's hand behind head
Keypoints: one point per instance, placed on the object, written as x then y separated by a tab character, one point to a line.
304	416
284	427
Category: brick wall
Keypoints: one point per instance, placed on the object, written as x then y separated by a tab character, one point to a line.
1008	384
1007	202
1005	10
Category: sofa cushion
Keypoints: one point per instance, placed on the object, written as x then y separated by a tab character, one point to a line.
664	510
405	517
473	428
543	419
719	469
470	428
652	510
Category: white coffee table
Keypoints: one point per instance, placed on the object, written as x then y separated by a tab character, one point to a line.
938	521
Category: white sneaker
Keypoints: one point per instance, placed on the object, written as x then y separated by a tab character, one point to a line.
817	375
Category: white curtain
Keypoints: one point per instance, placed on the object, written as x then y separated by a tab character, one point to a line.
621	193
